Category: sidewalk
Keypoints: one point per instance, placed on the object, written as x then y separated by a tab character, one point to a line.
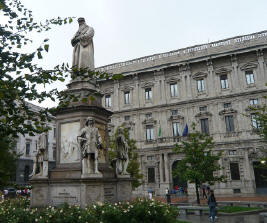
185	199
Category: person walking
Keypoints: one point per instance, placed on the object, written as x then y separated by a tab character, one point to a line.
204	192
212	205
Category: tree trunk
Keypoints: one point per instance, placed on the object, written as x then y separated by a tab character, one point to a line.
197	192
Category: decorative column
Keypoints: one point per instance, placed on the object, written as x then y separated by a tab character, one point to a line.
261	73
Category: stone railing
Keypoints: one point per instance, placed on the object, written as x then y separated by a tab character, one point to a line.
184	51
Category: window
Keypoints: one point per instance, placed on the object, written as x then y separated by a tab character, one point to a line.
250	77
149	133
108	101
148	115
203	108
204	125
254	121
234	169
174	90
174	112
150	157
148	93
28	147
253	101
175	129
26	173
237	191
200	85
229	122
224	81
151	175
227	105
127	97
55	132
127	118
232	152
54	152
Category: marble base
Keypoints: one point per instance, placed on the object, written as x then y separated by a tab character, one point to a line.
92	175
123	176
83	191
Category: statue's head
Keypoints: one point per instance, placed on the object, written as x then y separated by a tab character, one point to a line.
81	20
90	121
120	131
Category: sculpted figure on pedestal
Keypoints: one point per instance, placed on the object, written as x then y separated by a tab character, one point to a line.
122	148
90	141
83	52
41	157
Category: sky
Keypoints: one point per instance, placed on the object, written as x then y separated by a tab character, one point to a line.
127	29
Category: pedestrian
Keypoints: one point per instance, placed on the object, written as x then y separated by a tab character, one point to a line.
150	194
168	196
212	205
204	192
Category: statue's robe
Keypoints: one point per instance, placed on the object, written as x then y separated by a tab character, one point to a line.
83	51
92	142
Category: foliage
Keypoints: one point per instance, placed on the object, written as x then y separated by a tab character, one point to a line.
199	163
260	116
17	210
19	75
234	209
8	158
134	166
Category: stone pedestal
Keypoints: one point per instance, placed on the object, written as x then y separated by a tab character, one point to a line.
81	192
66	183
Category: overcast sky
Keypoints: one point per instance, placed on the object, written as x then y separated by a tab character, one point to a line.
127	29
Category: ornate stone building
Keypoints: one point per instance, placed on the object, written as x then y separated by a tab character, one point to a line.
212	85
26	146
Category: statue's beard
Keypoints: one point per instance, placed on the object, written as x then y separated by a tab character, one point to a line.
81	27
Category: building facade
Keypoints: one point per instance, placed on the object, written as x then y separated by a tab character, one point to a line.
212	85
26	146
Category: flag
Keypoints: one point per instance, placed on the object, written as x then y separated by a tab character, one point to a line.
185	132
159	131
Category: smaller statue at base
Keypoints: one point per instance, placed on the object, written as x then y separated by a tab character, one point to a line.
90	142
41	158
122	159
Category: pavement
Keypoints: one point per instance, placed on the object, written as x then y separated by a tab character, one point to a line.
185	199
255	218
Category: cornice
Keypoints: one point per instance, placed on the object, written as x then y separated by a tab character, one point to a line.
249	66
199	75
222	70
202	114
227	111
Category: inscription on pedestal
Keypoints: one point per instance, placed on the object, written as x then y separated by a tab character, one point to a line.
70	195
109	193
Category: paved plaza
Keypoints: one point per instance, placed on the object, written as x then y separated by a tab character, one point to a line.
185	199
224	219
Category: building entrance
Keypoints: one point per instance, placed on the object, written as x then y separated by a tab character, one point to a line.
176	180
260	178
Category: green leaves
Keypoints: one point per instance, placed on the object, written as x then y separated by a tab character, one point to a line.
46	47
200	162
39	55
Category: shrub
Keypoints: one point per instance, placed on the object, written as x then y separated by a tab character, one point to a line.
140	210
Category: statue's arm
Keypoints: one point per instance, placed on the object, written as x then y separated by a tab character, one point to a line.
89	34
75	39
